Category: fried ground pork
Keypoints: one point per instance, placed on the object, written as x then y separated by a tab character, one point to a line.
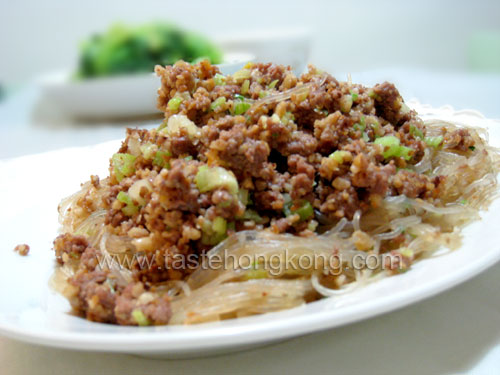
261	149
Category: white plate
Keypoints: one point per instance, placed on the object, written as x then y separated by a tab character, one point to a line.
121	96
31	188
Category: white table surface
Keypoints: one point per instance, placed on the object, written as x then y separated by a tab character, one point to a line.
457	332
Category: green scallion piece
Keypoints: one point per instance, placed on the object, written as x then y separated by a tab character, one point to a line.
214	231
219	79
208	179
219	225
217	103
252	215
244	196
245	87
161	159
392	147
305	210
241	107
242	74
174	104
416	132
272	85
339	156
123	165
360	127
140	318
130	208
434	142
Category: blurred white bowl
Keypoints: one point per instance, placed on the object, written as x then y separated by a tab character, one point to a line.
281	46
114	97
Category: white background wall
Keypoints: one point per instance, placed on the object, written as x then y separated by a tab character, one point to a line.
36	36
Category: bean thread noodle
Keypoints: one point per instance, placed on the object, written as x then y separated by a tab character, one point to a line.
276	281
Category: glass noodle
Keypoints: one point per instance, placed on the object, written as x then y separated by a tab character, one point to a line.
276	281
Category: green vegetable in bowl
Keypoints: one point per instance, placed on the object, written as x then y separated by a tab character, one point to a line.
124	49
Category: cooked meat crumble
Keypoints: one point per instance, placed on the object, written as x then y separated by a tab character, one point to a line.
22	249
261	149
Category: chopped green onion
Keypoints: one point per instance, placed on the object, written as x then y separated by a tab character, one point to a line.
365	137
243	196
219	79
305	211
161	159
239	97
272	85
163	125
214	231
140	318
472	148
339	156
130	209
389	141
252	215
263	94
354	96
245	87
219	225
392	147
242	74
434	142
373	123
217	103
463	202
174	104
123	165
124	198
416	132
208	179
360	127
241	107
